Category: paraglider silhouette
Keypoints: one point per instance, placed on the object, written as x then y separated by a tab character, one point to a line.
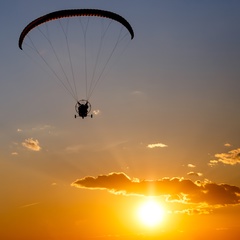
76	46
83	108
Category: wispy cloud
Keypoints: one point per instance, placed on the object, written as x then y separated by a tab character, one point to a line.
14	153
96	112
192	211
191	165
45	128
194	174
230	158
227	145
29	205
75	148
31	144
137	92
42	127
174	189
157	145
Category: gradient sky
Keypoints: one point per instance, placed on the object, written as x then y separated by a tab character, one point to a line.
168	127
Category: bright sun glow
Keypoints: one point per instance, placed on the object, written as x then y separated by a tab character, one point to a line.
151	213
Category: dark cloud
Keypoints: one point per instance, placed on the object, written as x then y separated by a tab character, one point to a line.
193	211
175	189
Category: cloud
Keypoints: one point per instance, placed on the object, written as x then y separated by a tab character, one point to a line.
37	129
137	92
42	128
191	165
227	145
29	205
194	174
174	189
193	211
230	158
74	148
115	182
157	145
31	144
212	163
96	112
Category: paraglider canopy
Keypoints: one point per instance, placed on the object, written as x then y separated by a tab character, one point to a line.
73	13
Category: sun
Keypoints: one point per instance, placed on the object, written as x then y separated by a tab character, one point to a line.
151	213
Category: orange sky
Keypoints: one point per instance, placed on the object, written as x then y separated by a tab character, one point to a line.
165	127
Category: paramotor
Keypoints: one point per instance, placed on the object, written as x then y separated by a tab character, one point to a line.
77	47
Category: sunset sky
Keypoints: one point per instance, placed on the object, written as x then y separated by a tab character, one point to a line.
165	130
